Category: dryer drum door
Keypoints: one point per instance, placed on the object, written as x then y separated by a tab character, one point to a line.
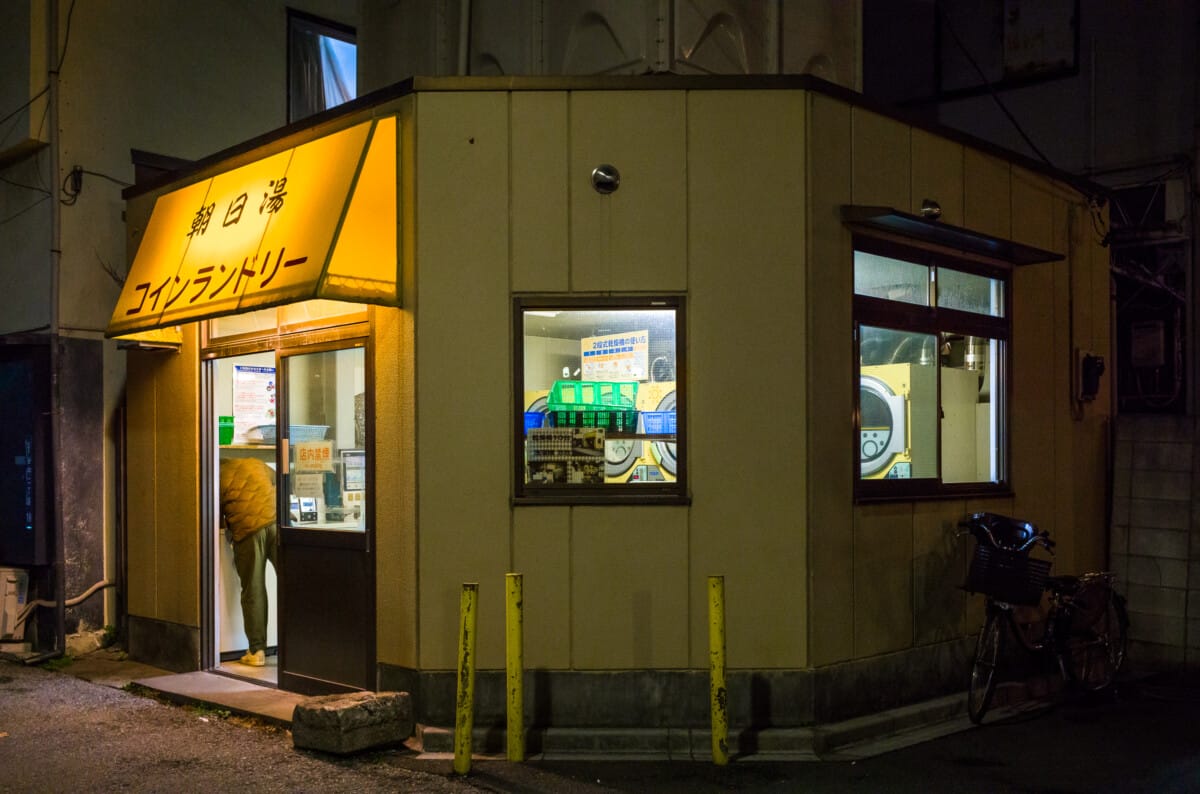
881	425
664	451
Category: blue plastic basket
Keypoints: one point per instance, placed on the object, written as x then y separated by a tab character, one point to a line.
658	422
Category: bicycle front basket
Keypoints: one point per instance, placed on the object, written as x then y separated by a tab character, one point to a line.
1005	575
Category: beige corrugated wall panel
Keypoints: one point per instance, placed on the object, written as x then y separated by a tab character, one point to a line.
1034	390
163	470
396	577
986	194
1034	212
830	384
629	588
463	377
395	489
746	198
540	232
635	238
542	554
881	160
1041	443
1090	334
1096	291
939	603
883	603
142	538
1070	472
937	174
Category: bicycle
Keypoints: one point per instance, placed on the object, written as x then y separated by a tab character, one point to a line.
1084	627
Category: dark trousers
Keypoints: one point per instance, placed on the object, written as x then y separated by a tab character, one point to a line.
250	555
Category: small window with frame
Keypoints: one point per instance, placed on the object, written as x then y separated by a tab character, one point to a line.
932	340
599	408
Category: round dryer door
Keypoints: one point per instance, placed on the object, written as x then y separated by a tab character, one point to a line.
664	451
881	425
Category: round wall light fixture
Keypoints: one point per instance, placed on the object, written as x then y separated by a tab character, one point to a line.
606	179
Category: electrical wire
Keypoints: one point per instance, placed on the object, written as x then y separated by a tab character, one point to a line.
34	188
112	179
45	90
990	88
66	37
19	213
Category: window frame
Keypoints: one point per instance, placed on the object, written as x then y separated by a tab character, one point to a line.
670	493
930	319
302	21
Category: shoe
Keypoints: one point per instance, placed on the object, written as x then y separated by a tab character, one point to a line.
256	659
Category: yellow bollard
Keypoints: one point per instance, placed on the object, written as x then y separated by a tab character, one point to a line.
464	719
515	654
716	657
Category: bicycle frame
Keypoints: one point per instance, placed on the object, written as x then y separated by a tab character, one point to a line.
1084	624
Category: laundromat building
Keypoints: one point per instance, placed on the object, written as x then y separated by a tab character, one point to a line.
616	334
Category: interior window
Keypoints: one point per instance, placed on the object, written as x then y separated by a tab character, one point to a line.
932	337
600	405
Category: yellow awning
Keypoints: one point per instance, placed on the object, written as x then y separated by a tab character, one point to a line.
315	221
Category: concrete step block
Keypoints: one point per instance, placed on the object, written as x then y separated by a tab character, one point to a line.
349	723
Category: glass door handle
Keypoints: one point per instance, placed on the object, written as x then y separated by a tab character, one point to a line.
283	451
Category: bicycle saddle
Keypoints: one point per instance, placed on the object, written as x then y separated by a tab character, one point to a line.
1008	531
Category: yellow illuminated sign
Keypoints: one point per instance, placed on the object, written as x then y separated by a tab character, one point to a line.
314	221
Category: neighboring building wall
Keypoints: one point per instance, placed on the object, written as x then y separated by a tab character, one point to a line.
1155	538
404	38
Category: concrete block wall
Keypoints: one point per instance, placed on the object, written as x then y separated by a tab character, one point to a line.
1155	538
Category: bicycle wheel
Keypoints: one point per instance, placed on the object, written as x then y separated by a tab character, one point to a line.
988	649
1096	652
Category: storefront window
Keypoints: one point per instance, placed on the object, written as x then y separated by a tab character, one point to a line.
600	407
932	344
326	481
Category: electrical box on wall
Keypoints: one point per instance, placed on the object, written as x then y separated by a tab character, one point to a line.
1088	370
25	480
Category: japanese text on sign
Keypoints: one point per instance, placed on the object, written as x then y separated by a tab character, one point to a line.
621	356
313	456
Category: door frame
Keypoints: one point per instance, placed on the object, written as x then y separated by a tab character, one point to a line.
308	338
334	540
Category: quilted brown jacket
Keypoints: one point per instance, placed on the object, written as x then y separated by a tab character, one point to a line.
247	496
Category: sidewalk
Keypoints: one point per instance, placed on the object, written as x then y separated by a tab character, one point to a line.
854	739
76	729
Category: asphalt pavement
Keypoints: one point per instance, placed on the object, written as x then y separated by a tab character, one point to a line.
59	732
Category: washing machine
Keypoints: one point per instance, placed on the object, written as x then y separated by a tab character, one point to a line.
884	421
628	460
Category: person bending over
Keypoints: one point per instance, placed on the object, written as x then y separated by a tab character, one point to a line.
248	513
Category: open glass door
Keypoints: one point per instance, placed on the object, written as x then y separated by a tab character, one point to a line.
242	397
327	597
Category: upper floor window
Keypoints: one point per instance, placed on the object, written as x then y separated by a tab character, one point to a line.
600	401
932	335
322	69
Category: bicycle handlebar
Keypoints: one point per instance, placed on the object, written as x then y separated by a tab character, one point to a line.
975	525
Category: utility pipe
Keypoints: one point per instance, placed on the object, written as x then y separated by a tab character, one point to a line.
53	62
717	693
464	712
76	601
515	667
464	36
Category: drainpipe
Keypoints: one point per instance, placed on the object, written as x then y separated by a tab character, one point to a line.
464	36
60	566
